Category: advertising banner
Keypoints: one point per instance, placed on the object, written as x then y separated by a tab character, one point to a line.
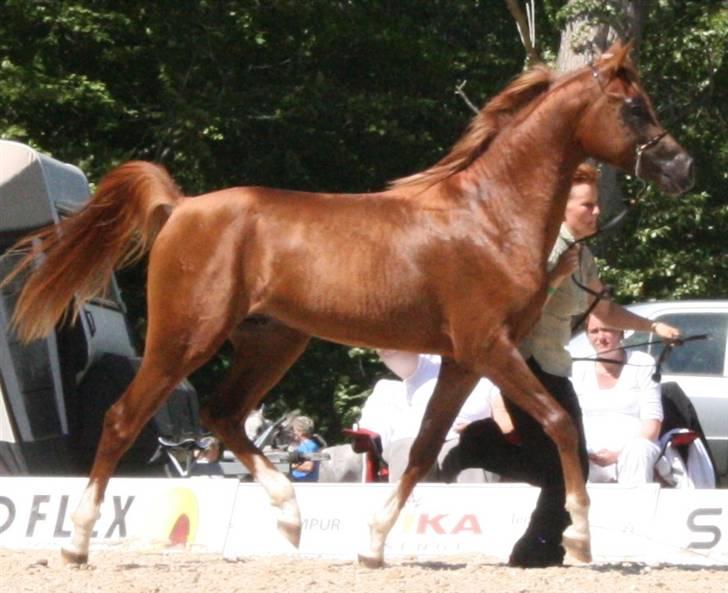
218	515
691	527
621	520
438	519
627	523
136	512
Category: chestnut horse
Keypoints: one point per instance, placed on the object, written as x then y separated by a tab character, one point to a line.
451	261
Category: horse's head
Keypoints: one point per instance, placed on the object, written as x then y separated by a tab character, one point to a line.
620	126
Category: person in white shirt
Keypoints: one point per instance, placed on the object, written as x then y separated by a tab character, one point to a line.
621	408
395	409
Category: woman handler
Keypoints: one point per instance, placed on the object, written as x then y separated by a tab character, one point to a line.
534	458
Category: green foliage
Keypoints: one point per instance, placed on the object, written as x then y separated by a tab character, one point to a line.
309	95
675	247
341	95
325	95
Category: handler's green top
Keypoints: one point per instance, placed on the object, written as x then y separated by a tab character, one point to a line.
548	339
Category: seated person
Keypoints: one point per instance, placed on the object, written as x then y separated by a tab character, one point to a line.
395	409
621	407
305	470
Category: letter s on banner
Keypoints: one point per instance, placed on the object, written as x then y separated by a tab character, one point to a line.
697	528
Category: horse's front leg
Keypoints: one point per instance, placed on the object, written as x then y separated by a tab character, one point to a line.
454	384
506	367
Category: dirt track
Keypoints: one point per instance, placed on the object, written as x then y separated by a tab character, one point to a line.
179	572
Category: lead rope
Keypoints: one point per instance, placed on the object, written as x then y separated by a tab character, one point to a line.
661	359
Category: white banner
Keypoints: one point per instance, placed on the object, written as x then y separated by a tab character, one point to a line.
438	520
137	512
691	527
641	524
645	524
621	520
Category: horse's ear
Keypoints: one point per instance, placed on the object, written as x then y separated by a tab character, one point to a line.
615	58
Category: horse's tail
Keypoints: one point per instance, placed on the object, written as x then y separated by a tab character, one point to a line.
78	256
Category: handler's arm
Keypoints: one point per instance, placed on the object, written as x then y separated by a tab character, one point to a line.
617	316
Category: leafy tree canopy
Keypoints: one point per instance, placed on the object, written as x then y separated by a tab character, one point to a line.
343	96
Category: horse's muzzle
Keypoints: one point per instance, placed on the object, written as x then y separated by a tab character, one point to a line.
670	167
679	173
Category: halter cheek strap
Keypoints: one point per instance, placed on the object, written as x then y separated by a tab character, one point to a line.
645	146
640	148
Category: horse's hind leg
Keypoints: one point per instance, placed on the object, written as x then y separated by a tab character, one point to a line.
183	333
264	351
161	370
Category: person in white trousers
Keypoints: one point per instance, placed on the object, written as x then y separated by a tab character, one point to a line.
621	407
395	409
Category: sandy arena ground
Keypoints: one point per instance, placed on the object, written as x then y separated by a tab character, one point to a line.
179	572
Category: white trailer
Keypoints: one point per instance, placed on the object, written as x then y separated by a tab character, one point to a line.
55	391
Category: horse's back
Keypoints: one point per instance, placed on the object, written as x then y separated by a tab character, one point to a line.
363	270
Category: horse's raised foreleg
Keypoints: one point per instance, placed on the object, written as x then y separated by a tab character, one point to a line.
454	384
506	367
264	352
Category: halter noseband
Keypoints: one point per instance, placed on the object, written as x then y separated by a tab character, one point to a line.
646	146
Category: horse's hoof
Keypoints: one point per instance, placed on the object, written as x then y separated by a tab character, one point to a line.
577	546
291	531
371	561
73	558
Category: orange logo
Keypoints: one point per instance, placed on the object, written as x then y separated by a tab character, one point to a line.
174	517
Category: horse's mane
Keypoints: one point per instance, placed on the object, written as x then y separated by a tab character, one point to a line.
485	126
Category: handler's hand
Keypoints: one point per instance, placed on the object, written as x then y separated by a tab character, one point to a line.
666	332
604	457
567	264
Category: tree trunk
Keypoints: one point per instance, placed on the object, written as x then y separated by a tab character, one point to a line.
585	36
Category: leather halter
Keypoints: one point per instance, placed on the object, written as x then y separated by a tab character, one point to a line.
640	148
646	146
614	221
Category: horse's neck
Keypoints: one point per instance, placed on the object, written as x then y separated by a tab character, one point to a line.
526	173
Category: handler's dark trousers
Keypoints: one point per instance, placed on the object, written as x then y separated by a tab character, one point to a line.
534	460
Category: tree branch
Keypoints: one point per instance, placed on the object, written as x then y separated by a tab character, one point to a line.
459	91
526	24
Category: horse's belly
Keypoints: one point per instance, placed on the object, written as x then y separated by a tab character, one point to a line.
406	331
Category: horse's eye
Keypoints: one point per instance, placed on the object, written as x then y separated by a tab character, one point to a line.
637	108
636	114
